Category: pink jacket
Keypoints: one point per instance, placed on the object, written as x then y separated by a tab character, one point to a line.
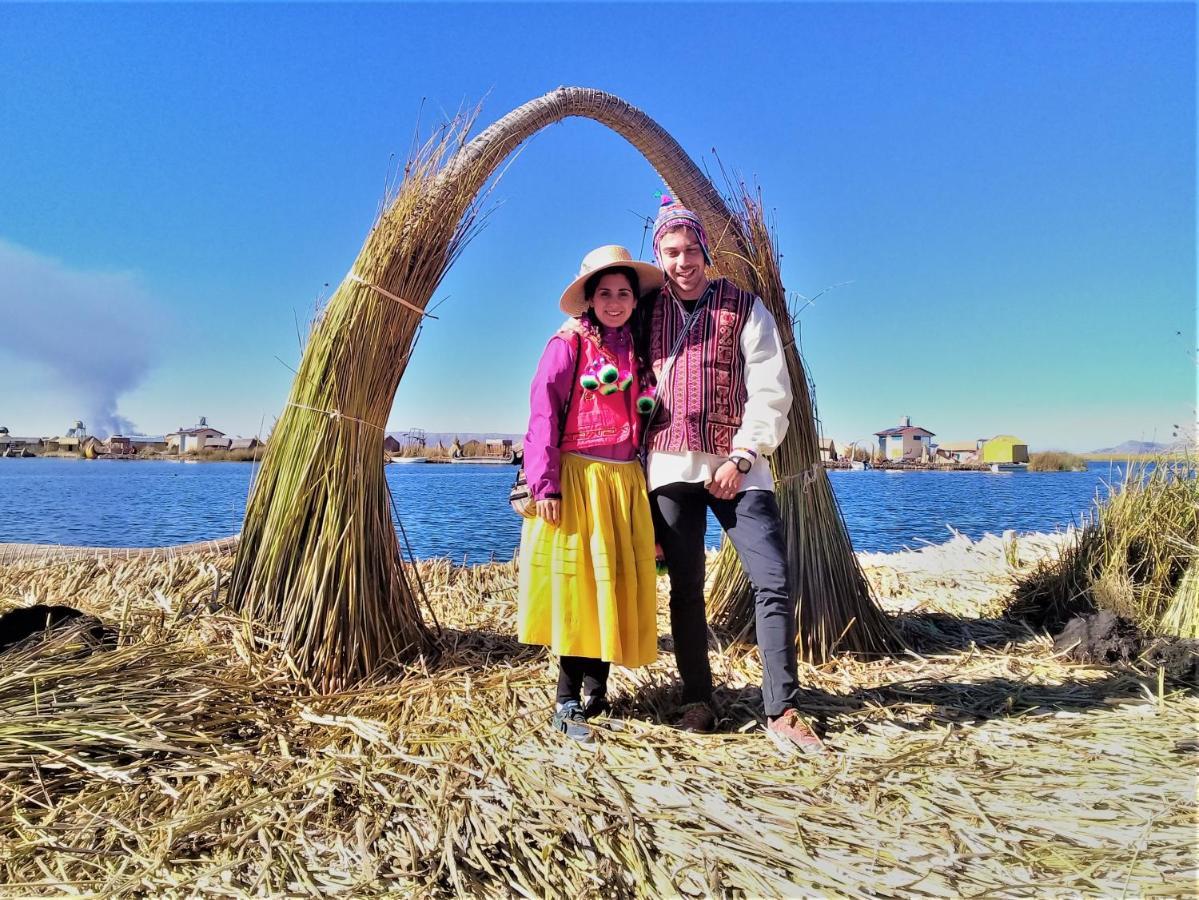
591	427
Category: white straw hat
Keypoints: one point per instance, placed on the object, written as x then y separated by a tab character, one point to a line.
612	256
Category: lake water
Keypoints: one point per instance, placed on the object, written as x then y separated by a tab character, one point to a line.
461	511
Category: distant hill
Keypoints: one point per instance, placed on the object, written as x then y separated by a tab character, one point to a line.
1135	447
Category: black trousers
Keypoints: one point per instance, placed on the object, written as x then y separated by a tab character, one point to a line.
751	521
582	673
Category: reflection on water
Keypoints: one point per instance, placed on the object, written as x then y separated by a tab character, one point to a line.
461	511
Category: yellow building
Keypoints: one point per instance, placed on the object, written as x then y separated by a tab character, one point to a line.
1005	448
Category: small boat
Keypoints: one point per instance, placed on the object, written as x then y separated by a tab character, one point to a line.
496	452
1008	467
857	465
508	460
409	460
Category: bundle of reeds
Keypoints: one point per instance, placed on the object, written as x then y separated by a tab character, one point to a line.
837	613
1137	555
319	561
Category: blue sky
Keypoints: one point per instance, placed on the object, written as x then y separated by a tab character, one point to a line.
1004	195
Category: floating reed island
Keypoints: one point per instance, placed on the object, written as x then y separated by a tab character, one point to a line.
162	748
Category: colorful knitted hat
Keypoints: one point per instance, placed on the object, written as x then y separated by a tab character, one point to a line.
670	214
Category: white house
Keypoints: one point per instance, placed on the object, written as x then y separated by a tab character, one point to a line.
904	442
192	440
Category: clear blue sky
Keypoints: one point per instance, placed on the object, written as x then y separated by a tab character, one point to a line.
1005	194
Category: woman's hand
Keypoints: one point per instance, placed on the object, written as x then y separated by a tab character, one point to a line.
726	483
550	510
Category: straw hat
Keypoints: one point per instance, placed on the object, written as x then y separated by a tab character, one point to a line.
649	276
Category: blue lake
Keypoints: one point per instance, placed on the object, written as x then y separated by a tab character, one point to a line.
461	511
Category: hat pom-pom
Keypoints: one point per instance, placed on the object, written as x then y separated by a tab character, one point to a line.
667	200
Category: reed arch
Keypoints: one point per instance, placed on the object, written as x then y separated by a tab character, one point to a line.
319	564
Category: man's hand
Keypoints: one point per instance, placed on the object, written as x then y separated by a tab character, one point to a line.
550	510
726	483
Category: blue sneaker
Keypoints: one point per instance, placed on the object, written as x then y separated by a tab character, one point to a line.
569	719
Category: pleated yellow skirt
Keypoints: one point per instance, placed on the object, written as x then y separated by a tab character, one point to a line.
587	585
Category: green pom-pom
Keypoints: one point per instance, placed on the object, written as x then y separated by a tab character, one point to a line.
609	389
608	373
645	403
626	382
589	382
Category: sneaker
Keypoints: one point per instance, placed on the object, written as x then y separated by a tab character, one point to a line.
790	732
569	719
595	706
698	718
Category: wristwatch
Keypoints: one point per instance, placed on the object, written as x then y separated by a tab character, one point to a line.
743	465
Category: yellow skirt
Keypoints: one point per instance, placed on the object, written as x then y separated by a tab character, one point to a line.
588	585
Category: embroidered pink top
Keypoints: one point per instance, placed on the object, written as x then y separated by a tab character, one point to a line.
553	385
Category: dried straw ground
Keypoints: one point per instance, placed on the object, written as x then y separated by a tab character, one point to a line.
183	761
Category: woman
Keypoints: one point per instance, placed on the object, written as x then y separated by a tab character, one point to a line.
587	579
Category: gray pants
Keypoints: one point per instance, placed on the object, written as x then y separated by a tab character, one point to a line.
751	521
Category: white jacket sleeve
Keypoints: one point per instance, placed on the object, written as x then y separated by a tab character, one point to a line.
767	384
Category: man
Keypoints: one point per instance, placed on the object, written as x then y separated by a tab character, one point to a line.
723	393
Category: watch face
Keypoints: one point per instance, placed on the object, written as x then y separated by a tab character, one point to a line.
744	465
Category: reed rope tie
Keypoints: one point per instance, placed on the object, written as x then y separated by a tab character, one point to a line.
335	415
358	279
809	475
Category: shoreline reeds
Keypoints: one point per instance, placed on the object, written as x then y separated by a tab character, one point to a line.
1137	555
1056	461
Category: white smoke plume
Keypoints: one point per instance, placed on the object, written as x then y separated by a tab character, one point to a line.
91	331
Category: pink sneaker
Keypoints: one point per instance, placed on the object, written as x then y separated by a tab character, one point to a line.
790	732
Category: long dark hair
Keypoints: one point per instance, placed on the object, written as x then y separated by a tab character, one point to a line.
638	322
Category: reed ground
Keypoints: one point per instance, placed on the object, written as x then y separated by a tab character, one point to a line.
180	758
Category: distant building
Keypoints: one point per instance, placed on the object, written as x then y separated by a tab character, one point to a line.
217	443
192	440
72	441
250	443
153	441
118	445
904	442
69	443
959	451
1005	448
12	441
828	450
391	445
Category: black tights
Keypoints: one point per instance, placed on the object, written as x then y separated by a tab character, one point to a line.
583	673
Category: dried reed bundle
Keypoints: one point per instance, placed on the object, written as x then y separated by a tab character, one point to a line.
1135	555
836	611
319	561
